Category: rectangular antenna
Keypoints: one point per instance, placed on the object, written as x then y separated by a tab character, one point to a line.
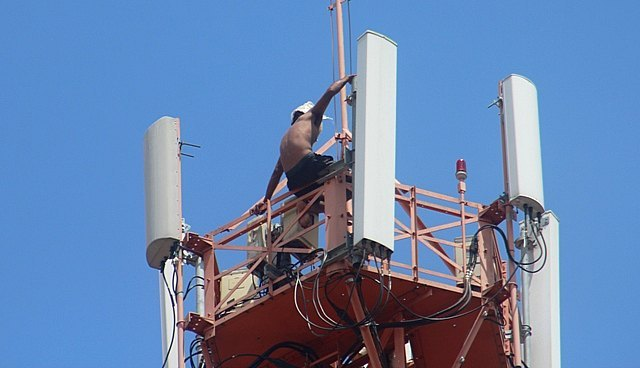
375	141
162	188
519	113
544	298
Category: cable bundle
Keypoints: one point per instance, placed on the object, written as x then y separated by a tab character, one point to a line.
344	321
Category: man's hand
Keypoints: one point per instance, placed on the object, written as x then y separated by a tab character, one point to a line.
337	85
259	208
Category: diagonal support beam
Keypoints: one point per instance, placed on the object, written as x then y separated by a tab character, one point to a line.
460	358
372	351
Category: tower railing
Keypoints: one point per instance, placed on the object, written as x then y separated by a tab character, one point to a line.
425	250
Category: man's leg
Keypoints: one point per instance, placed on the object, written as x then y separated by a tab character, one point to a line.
306	219
316	208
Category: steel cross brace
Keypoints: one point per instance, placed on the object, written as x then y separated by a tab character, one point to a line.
372	351
460	358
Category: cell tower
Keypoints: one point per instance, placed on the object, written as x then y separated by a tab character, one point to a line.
372	282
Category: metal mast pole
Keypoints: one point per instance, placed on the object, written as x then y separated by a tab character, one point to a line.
525	278
513	287
180	309
341	70
200	292
374	360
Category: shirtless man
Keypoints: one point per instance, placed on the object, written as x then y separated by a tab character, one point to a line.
297	158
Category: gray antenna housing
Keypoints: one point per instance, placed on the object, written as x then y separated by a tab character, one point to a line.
163	189
519	114
375	141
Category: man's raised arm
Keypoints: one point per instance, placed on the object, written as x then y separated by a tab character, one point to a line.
322	104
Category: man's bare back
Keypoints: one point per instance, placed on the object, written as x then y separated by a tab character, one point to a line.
297	142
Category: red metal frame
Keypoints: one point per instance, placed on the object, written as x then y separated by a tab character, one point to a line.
429	266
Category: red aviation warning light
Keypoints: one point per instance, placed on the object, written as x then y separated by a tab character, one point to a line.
461	170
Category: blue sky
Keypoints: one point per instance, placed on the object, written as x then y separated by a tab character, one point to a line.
80	81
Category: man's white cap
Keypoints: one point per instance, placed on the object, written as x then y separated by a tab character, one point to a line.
304	108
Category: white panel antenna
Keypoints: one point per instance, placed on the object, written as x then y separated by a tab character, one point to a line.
519	114
168	320
544	299
162	184
375	141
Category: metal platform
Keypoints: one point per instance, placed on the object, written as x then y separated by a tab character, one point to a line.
249	330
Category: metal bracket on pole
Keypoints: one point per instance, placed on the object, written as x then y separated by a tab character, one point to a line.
497	102
188	145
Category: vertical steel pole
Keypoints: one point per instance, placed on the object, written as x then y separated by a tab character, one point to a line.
211	295
180	310
399	358
513	295
179	288
335	211
342	72
525	278
462	188
413	214
513	287
200	292
343	99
